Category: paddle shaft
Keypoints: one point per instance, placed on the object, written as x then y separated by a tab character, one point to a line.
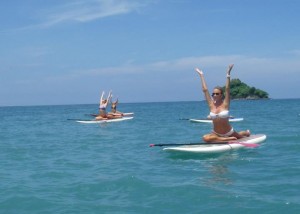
250	145
75	119
185	144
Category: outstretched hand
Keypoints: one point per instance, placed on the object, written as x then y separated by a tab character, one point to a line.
200	72
229	69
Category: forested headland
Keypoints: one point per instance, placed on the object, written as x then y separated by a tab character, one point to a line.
240	90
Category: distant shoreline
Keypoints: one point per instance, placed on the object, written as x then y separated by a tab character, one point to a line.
142	102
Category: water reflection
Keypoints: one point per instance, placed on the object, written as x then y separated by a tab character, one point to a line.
216	166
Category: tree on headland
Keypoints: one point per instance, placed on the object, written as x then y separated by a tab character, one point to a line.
240	90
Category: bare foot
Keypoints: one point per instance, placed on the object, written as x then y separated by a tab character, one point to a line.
245	133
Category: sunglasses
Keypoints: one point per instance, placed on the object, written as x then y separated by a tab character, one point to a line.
213	94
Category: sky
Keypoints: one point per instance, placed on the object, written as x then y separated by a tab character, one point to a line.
69	51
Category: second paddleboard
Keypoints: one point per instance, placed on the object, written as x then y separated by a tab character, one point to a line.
104	121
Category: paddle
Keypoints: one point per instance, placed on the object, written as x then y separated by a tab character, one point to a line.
83	119
75	119
194	119
183	144
231	117
250	145
91	115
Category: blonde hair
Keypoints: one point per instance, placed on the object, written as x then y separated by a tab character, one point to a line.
221	90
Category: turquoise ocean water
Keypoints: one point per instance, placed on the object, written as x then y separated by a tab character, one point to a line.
50	164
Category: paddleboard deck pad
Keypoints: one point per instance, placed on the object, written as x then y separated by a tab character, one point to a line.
104	121
238	119
216	148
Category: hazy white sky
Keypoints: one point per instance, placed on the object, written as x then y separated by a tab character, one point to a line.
68	52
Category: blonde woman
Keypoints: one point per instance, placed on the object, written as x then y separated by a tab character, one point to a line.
102	106
218	104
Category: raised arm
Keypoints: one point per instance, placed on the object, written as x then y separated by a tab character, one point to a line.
101	98
109	96
204	87
227	87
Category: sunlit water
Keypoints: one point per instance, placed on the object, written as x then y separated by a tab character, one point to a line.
51	164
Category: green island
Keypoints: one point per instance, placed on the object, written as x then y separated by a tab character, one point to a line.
240	90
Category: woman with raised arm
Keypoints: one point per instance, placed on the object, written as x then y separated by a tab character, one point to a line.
114	111
219	112
102	106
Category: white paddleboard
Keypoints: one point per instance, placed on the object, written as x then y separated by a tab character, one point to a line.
210	121
216	148
104	121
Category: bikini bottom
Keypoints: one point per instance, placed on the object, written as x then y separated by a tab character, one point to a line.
228	134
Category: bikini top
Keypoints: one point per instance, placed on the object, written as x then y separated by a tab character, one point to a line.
102	107
222	114
114	106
